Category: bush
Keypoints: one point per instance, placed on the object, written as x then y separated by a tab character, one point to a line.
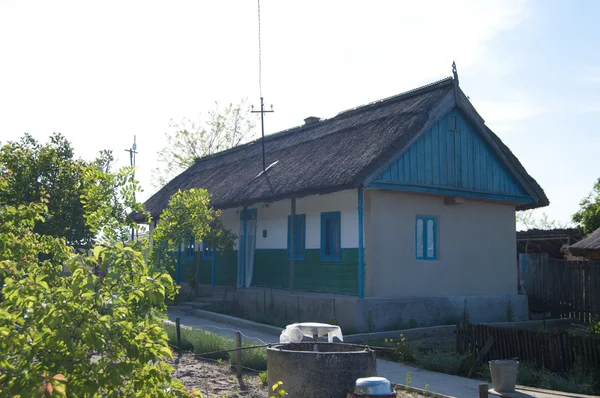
51	326
404	353
578	380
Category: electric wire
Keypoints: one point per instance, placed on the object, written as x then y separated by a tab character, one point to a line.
259	54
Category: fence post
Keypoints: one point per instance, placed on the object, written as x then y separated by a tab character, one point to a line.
178	328
483	390
238	345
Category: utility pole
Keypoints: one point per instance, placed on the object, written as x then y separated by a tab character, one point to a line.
132	152
262	126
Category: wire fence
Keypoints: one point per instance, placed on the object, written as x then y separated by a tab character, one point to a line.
214	343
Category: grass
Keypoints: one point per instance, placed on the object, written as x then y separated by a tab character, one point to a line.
202	342
579	381
448	363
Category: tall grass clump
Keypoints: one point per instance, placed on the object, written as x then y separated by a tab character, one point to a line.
208	345
255	358
449	363
577	380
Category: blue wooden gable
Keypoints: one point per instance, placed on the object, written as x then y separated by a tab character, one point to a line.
452	158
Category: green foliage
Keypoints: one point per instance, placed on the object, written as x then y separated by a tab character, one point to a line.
278	390
466	318
222	128
264	378
95	332
202	342
108	198
448	363
31	170
510	315
412	323
588	215
578	380
188	214
595	325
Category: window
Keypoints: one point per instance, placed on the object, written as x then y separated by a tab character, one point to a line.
189	248
207	251
426	239
331	236
299	237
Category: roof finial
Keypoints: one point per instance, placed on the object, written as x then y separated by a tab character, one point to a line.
455	72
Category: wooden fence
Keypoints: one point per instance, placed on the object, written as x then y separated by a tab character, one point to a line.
557	352
566	289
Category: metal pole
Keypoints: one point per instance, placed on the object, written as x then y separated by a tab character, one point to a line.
262	126
238	356
178	329
361	250
292	243
178	270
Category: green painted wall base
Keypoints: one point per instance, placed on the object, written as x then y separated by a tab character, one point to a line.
272	269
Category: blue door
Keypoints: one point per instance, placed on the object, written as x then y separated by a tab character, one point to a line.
247	248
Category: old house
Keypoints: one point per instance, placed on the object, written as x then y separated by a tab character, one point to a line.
587	248
402	208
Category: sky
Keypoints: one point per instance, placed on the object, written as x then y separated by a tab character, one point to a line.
102	72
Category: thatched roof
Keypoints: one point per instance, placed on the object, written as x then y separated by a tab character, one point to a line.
588	245
321	157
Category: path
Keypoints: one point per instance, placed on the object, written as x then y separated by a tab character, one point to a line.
395	372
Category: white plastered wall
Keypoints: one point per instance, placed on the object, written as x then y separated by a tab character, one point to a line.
272	217
476	247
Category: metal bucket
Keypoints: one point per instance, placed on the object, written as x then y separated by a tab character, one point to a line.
504	374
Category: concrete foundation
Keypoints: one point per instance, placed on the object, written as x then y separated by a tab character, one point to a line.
356	315
310	370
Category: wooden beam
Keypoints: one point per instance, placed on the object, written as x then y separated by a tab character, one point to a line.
453	200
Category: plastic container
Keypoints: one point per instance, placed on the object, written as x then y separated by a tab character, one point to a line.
504	374
373	387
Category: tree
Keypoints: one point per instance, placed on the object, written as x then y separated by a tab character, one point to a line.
188	215
94	333
31	170
588	215
528	219
223	128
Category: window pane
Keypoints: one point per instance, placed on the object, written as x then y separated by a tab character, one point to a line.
419	238
300	237
430	239
336	236
328	237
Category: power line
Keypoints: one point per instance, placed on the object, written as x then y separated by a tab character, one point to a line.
259	54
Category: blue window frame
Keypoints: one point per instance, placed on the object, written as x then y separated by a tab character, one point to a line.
299	237
331	236
426	238
189	248
207	251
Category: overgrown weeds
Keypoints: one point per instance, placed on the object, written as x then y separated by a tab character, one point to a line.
449	363
210	345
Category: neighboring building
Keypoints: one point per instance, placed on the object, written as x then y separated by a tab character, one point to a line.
553	242
588	247
404	208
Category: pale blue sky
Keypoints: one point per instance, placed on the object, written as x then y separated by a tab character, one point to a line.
102	72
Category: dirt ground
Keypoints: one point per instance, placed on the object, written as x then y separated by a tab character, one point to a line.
215	380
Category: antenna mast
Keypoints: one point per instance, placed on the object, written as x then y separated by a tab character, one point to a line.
262	104
132	152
